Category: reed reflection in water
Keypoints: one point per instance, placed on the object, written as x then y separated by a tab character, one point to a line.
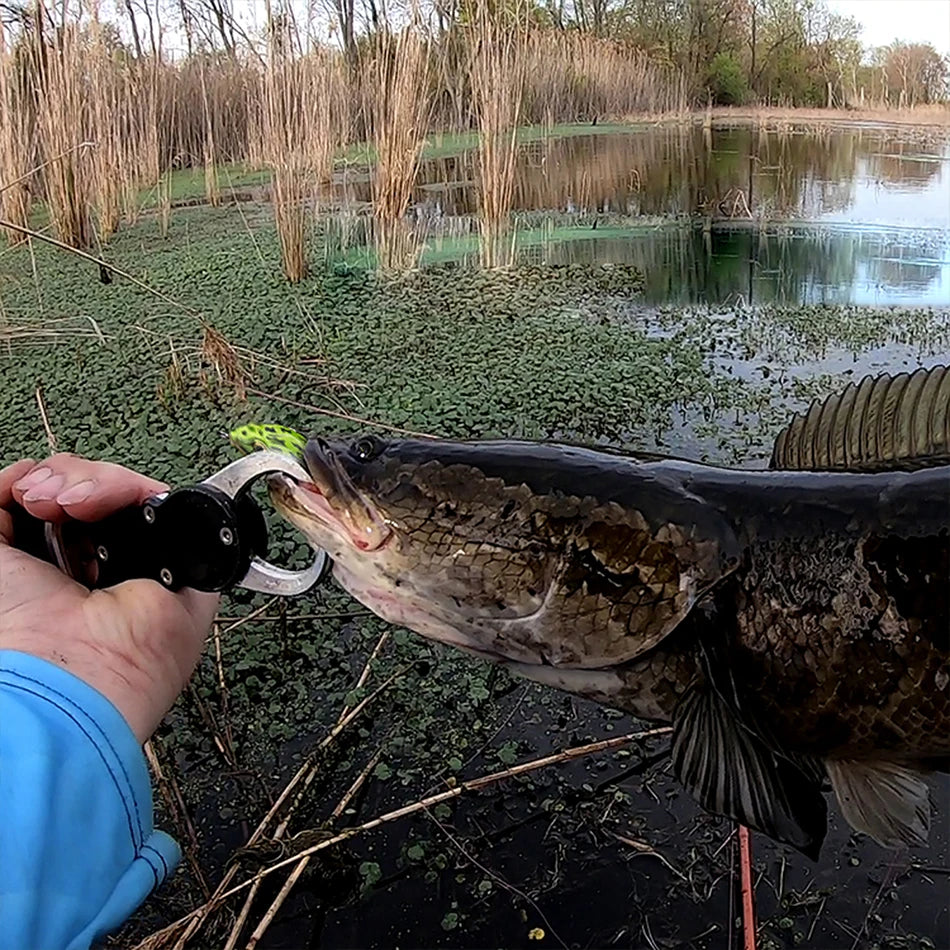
871	175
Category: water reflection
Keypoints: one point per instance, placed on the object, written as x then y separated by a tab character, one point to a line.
790	215
872	175
787	265
723	263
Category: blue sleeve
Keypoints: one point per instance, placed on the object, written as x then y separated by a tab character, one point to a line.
77	850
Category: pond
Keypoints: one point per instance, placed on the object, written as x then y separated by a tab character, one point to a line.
713	215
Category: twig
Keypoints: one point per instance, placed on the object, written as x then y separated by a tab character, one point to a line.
496	877
889	877
223	687
472	785
501	725
383	637
928	868
357	784
336	415
38	168
253	615
341	724
811	929
294	876
50	438
278	901
728	838
648	933
340	615
98	260
211	724
306	775
311	765
101	336
170	791
641	847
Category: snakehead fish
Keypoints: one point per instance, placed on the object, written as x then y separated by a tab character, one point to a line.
792	623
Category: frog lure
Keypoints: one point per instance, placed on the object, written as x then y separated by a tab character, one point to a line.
252	437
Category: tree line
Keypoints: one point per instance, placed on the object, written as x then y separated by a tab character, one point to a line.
728	52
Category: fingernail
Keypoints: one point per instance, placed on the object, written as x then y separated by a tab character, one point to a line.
77	493
34	478
46	490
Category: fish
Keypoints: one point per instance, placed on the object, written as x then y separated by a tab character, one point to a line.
790	623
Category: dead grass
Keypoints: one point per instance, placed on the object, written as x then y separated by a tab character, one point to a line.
210	153
298	135
222	364
15	139
309	843
576	77
286	100
398	96
497	66
107	104
61	125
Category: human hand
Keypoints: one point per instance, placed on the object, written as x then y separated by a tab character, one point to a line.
136	643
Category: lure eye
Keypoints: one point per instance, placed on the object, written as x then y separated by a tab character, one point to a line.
366	448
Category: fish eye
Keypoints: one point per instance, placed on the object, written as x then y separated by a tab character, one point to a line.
366	448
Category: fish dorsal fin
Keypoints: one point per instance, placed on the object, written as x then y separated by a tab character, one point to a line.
889	802
730	771
884	423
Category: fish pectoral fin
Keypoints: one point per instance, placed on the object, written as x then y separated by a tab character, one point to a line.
730	771
889	802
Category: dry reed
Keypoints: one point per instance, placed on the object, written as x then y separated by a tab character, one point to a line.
61	125
297	135
398	96
576	77
398	101
209	156
15	143
185	927
106	104
497	67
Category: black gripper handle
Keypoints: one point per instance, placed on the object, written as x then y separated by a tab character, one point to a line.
195	537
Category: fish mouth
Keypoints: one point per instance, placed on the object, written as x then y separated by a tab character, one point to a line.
330	505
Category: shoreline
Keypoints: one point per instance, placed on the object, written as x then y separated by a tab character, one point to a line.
921	117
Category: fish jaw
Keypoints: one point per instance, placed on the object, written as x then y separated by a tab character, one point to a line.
331	511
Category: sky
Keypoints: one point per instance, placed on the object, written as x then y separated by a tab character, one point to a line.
917	21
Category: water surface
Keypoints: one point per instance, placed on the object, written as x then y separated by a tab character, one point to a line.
792	215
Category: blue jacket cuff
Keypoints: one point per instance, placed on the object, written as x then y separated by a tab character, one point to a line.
79	850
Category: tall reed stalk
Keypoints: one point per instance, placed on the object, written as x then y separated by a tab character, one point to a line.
497	66
106	104
210	157
399	96
62	122
297	136
15	144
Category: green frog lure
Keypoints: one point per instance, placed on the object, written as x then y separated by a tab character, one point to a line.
249	438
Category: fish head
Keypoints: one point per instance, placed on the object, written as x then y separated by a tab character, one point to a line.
521	552
425	540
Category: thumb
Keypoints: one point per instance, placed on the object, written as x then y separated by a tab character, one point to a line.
9	475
